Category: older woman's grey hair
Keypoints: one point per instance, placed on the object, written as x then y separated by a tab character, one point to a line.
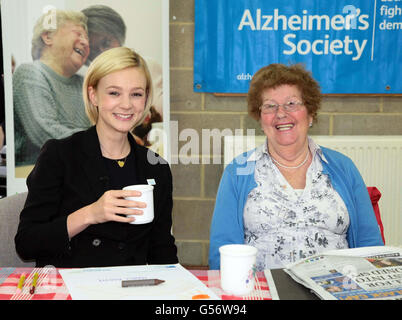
104	20
51	21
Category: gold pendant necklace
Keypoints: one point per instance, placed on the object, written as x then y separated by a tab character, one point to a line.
121	163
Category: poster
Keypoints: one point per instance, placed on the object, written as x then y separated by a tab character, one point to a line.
43	79
350	46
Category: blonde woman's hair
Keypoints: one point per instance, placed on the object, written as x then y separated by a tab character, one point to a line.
110	61
51	22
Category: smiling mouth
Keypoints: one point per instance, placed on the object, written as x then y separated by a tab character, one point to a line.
80	52
123	116
284	127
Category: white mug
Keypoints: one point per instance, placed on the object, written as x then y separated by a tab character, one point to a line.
238	268
147	196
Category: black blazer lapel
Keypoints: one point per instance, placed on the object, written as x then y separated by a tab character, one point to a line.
144	168
93	165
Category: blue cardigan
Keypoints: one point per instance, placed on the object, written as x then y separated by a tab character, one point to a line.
238	180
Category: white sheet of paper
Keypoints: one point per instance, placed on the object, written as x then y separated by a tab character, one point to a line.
105	283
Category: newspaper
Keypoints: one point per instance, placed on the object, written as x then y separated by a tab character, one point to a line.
352	274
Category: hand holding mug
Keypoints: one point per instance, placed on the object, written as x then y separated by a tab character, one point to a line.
147	196
114	205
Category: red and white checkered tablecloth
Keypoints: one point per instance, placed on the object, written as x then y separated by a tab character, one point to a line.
50	285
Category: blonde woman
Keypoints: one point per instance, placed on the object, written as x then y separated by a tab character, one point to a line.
75	214
47	92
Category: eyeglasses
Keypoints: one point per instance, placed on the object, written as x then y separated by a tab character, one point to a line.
272	107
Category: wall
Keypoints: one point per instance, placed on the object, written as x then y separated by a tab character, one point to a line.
195	185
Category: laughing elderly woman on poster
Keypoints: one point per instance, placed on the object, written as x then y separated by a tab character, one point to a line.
47	93
290	198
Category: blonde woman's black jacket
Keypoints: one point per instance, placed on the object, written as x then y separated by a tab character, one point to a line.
69	174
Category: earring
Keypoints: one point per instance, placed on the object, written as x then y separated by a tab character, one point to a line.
310	124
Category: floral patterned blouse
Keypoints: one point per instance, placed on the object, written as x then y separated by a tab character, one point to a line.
285	224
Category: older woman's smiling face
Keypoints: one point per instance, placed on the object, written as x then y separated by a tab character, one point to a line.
285	128
68	48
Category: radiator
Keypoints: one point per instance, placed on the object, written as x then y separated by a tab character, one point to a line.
378	158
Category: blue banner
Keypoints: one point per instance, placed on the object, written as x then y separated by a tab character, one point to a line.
350	46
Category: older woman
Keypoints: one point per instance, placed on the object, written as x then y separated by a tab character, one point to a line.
75	214
290	198
47	93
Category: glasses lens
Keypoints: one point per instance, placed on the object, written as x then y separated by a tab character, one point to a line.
272	107
269	107
292	105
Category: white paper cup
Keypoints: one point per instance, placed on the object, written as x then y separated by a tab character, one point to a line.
237	268
147	196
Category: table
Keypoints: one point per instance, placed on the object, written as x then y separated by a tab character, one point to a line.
52	287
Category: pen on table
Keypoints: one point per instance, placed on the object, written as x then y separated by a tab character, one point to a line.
34	281
138	283
21	283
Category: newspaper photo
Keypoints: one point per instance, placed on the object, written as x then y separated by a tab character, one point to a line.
352	274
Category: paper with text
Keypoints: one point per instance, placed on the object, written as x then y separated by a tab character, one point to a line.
105	283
